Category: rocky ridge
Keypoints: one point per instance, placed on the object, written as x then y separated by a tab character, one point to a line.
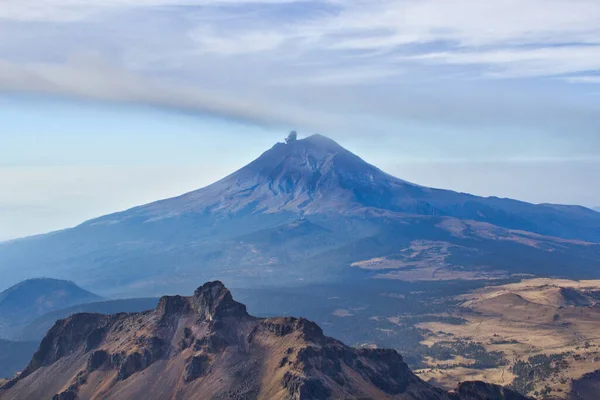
208	346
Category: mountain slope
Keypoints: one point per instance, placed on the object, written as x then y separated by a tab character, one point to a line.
33	298
307	211
316	175
207	346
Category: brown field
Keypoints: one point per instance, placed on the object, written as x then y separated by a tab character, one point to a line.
521	320
425	260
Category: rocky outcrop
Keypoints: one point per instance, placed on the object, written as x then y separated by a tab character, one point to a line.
300	387
207	346
213	301
196	367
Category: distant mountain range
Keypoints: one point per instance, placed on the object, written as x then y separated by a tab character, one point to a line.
22	303
207	346
311	211
596	209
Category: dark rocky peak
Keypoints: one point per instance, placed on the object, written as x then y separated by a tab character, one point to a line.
213	300
210	301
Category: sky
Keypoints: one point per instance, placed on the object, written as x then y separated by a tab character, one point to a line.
113	103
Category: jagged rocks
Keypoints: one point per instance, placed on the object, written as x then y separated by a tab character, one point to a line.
213	300
213	343
138	361
94	338
393	375
287	325
133	363
196	367
97	359
304	388
172	305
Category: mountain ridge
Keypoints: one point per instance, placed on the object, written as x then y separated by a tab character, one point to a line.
208	346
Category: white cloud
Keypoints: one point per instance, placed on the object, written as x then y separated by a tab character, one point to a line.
473	22
525	62
311	63
512	37
584	79
243	43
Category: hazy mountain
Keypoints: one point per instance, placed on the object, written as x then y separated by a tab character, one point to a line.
309	210
14	356
207	346
22	303
597	209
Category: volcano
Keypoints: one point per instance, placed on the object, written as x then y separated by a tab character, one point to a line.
316	175
310	210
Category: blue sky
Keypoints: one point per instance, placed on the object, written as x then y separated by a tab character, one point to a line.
110	104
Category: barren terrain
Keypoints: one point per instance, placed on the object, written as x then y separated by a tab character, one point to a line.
536	335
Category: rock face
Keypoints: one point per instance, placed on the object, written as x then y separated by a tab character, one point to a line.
208	347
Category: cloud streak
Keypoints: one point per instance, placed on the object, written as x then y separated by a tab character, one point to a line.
309	63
